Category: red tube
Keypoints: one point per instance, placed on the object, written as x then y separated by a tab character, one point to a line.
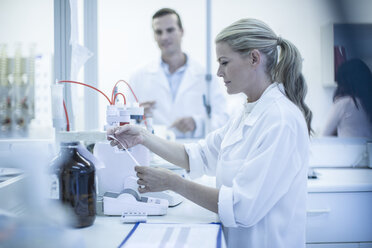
64	105
121	80
67	120
125	101
74	82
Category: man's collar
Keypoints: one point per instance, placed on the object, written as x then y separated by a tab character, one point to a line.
165	66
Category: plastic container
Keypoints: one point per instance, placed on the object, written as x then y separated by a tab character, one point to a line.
59	118
75	184
118	165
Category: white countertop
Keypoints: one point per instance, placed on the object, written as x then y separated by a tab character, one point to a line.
341	180
108	231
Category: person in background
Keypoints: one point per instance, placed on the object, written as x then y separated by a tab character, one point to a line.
259	158
171	89
351	113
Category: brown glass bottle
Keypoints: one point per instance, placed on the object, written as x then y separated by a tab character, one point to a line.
76	182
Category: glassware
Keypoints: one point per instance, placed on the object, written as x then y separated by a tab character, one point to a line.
74	183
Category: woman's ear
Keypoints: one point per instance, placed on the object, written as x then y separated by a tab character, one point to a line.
255	57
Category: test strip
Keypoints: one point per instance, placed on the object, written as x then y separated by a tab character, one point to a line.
130	155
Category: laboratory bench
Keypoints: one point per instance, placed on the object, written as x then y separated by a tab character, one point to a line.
339	204
109	231
339	213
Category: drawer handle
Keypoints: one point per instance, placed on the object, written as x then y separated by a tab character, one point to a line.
318	211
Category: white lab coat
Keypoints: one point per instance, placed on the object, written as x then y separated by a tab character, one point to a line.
150	83
260	162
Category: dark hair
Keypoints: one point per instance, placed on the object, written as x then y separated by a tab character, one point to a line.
168	11
354	79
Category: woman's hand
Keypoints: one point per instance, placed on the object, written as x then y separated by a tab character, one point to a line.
159	179
154	179
128	135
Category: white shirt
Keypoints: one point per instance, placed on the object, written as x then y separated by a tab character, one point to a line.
348	120
150	84
261	171
175	78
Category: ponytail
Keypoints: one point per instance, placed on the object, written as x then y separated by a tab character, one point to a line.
288	72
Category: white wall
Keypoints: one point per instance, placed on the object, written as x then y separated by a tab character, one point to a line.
27	22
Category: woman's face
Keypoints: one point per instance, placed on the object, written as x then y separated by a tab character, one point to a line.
237	71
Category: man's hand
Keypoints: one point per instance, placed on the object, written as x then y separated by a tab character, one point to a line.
185	124
148	107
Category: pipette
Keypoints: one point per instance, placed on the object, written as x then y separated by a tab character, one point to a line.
130	155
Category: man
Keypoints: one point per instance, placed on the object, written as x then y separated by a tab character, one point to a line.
171	89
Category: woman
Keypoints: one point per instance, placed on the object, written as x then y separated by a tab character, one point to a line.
351	113
259	158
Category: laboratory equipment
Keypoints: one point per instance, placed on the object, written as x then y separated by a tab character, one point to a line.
5	97
117	171
119	164
133	217
173	198
130	201
17	78
59	120
73	183
125	149
20	106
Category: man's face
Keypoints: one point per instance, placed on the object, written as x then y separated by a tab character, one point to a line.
167	34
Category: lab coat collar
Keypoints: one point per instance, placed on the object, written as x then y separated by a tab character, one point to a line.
165	66
157	65
273	92
192	75
188	80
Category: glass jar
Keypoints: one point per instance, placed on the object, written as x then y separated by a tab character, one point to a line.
75	184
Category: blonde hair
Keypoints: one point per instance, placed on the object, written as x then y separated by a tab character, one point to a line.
247	34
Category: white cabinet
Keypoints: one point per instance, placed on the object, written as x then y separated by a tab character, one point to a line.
339	217
339	211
